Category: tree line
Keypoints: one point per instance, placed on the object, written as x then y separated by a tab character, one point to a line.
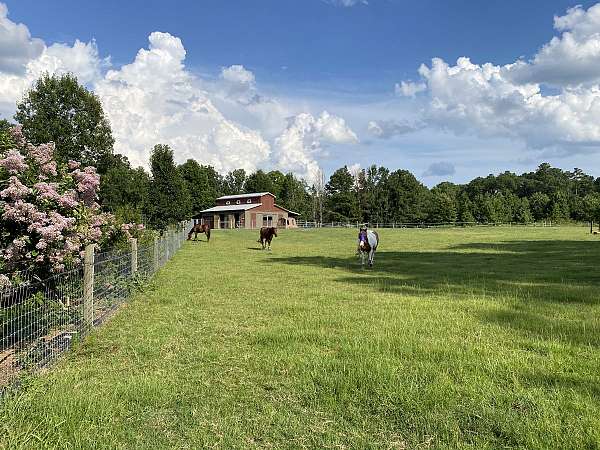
59	109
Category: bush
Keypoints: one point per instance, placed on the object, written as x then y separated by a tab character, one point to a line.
48	210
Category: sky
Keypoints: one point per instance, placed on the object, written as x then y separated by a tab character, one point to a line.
447	90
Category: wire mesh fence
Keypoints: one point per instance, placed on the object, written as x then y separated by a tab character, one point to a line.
41	319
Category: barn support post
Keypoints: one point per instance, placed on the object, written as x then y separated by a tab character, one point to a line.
88	288
134	256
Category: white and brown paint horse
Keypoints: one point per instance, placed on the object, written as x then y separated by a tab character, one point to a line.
368	241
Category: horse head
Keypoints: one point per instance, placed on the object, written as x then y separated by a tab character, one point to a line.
362	239
274	231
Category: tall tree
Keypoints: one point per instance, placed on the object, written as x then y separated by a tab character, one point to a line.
124	190
169	199
58	109
443	208
234	182
203	183
259	181
409	198
341	199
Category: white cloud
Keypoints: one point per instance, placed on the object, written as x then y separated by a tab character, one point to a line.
24	59
297	147
409	89
569	60
386	129
225	122
508	101
238	74
17	46
155	100
81	59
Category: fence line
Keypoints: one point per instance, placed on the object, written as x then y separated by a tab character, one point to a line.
308	224
40	319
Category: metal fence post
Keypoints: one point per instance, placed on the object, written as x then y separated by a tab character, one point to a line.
134	256
155	253
88	287
167	242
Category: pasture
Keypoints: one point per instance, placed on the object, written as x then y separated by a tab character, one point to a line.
457	338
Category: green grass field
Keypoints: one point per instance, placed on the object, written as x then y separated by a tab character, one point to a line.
457	338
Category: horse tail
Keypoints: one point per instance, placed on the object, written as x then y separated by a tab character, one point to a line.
207	234
191	232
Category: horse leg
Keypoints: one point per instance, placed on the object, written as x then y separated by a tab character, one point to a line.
371	257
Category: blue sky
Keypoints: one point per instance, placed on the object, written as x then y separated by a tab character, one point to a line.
314	55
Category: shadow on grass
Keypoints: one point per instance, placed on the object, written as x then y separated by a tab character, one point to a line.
549	271
541	275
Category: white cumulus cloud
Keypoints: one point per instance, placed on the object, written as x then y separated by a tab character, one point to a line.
300	143
155	99
509	101
24	59
409	88
17	46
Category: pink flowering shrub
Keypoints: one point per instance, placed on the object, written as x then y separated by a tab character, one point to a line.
48	211
133	230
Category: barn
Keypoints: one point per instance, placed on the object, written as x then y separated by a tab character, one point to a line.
250	211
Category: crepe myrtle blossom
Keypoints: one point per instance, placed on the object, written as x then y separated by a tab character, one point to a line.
88	182
4	282
132	230
49	210
15	190
14	162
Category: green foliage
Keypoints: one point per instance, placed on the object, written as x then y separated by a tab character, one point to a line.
203	183
259	181
234	182
342	201
539	203
443	208
58	109
523	211
409	198
6	141
169	200
294	196
124	190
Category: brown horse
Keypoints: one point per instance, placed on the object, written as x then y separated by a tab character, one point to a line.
199	228
266	235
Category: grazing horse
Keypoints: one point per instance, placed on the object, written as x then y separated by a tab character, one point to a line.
266	235
367	244
199	228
